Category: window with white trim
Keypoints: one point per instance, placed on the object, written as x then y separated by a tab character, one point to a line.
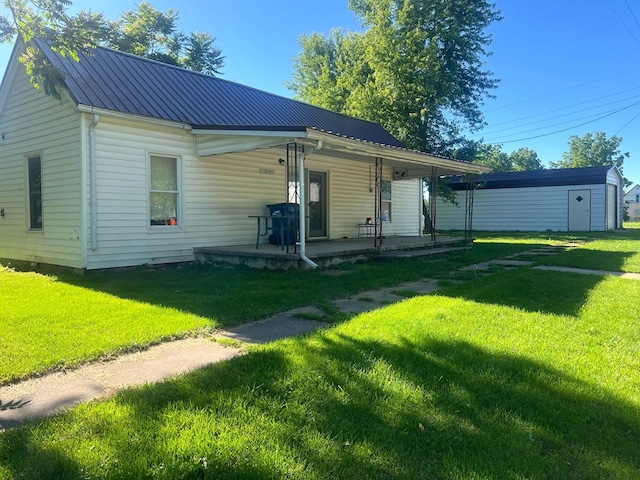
34	167
385	213
164	194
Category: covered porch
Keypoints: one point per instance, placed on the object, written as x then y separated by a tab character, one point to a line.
332	189
326	253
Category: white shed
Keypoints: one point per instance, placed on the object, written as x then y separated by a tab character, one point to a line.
572	199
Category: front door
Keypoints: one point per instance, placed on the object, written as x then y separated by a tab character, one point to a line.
579	210
317	195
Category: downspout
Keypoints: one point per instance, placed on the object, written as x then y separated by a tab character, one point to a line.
93	202
303	207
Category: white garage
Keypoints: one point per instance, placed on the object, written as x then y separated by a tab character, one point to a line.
572	199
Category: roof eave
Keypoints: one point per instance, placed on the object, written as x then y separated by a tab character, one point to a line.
417	164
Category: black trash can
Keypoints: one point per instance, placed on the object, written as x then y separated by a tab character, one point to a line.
285	214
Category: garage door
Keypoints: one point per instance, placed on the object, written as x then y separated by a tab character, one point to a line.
612	203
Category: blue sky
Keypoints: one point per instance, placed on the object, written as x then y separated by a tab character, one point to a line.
566	66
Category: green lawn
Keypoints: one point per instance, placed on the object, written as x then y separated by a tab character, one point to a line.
526	374
62	319
618	252
521	374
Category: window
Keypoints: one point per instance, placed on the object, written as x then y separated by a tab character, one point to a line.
637	198
35	192
636	212
163	194
385	214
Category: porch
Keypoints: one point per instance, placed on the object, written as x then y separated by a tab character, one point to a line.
328	252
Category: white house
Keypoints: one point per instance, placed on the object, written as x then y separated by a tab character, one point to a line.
140	162
577	199
632	203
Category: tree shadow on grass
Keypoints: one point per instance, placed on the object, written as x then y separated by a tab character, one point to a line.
551	292
335	406
235	295
592	259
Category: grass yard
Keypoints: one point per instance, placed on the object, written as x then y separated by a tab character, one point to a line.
522	374
59	320
526	374
618	252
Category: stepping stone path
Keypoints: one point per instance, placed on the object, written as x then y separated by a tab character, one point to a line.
35	398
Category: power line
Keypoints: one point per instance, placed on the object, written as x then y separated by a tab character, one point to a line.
491	131
627	124
546	127
632	13
564	89
623	23
568	128
563	108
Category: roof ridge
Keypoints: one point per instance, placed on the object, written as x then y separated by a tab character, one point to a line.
232	82
120	81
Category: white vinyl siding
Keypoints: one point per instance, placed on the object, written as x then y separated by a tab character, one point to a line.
524	209
352	198
32	122
219	194
406	215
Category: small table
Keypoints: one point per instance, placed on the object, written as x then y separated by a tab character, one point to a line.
268	227
368	227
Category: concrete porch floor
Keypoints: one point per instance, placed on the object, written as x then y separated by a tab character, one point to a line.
323	252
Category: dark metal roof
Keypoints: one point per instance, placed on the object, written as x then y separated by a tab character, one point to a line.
536	178
120	82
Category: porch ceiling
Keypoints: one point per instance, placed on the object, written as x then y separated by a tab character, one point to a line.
406	163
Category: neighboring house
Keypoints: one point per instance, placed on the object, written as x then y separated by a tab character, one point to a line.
141	162
632	203
574	199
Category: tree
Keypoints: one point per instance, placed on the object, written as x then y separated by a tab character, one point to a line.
525	159
67	35
493	156
517	161
201	55
145	32
417	69
592	150
150	33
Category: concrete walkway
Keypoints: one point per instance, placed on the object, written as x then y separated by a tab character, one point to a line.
35	398
586	271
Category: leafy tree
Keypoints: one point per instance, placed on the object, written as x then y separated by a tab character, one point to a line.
150	33
517	161
417	69
493	156
145	32
48	20
201	55
525	159
592	150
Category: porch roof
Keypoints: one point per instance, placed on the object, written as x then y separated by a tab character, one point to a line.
119	83
406	164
